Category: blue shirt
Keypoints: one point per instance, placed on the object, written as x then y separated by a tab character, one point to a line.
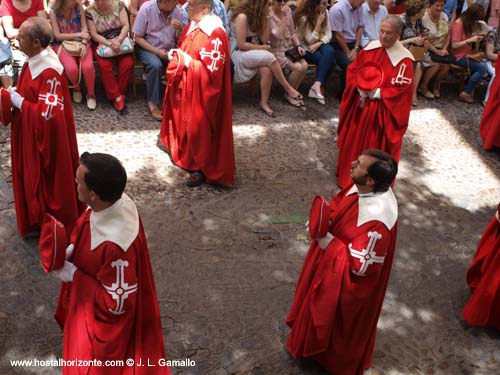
217	9
343	18
371	23
450	6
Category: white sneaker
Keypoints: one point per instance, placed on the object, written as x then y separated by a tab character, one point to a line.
91	103
77	96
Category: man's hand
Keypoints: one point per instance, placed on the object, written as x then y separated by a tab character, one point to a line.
352	54
187	58
324	241
69	251
162	54
16	98
177	25
66	273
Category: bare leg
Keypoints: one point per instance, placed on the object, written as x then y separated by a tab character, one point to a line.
266	81
443	71
278	74
416	80
297	74
429	74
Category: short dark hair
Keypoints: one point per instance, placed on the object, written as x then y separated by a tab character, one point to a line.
41	30
383	171
432	2
105	175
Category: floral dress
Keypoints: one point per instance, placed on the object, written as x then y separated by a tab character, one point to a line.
282	31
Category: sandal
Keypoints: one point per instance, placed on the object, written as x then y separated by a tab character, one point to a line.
195	179
425	94
296	102
268	112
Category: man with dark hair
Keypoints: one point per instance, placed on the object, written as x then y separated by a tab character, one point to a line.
375	108
342	284
43	136
108	307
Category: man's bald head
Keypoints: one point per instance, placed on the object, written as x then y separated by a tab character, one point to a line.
39	28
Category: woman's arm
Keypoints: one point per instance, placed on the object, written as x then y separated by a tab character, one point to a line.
8	26
95	35
490	52
241	27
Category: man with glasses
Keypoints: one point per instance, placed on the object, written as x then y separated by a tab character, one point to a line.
197	126
156	28
375	108
342	284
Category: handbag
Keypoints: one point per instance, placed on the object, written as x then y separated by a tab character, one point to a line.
417	52
5	54
293	54
476	56
126	47
73	47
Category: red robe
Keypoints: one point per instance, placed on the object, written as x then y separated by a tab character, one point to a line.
97	326
197	108
379	123
44	150
339	295
490	123
483	308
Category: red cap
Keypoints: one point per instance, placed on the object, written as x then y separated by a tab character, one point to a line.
319	218
5	107
370	76
52	243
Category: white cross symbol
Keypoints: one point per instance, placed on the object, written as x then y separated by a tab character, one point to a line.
367	256
51	99
215	55
400	79
120	290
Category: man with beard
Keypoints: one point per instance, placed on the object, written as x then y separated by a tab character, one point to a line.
342	284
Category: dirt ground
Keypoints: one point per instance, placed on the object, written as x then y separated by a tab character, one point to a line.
226	260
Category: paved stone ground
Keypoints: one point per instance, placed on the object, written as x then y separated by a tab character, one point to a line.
226	260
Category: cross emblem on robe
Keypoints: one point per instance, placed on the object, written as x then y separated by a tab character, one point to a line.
52	99
400	79
367	256
120	290
215	55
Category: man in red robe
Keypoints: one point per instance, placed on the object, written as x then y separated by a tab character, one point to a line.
490	123
108	305
342	284
44	150
376	104
197	108
483	308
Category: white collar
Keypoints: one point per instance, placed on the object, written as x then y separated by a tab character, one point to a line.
376	206
119	223
396	53
44	60
207	24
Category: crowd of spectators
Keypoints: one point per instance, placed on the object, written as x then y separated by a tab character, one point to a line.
276	39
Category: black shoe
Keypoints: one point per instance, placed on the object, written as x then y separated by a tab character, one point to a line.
195	179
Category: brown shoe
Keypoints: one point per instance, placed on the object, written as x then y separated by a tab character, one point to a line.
195	179
155	111
468	98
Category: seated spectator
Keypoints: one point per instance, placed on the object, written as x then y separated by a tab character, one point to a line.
462	36
373	12
13	14
397	7
413	35
217	9
315	32
283	38
6	71
494	13
484	4
450	9
108	25
134	7
250	52
438	42
492	50
68	22
157	29
346	21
